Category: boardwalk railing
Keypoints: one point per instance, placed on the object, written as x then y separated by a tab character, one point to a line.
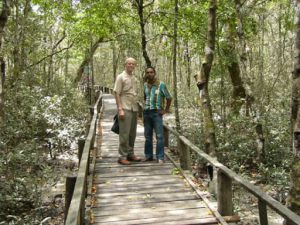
225	177
76	212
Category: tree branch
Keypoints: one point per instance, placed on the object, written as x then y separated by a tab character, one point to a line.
50	55
60	40
150	3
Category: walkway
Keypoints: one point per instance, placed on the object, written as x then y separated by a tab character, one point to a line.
141	193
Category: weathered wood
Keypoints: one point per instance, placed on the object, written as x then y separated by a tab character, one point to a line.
81	143
272	203
184	155
143	192
263	214
225	204
69	189
158	221
77	206
187	176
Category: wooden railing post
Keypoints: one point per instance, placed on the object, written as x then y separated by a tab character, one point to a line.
98	106
91	111
166	137
81	142
184	155
97	94
262	210
82	212
224	194
69	189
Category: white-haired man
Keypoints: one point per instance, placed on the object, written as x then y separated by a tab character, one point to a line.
125	91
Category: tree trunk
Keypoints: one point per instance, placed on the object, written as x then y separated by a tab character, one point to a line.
239	93
5	12
293	200
187	59
86	60
115	60
203	79
140	7
177	120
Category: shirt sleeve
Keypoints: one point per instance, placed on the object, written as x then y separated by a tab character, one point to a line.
118	85
165	91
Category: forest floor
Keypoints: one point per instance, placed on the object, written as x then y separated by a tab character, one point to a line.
53	197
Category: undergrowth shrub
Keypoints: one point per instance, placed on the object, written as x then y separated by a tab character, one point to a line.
32	121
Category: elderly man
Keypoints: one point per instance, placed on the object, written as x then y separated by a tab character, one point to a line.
125	91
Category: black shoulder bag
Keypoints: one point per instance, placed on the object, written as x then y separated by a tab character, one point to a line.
115	126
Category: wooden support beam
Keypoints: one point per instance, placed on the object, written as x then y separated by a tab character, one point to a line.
224	194
69	189
184	155
263	213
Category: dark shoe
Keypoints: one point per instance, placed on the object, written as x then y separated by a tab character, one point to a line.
134	159
147	159
124	162
160	161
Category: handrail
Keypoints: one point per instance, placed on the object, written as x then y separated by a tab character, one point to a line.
76	210
225	178
227	174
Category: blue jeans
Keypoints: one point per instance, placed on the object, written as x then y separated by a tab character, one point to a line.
153	121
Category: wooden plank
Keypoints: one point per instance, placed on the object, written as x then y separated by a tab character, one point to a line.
141	199
141	193
143	189
163	221
148	180
199	193
180	214
161	206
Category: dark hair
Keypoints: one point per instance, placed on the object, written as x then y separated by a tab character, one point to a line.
150	67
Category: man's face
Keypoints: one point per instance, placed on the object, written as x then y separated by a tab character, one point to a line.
129	66
150	74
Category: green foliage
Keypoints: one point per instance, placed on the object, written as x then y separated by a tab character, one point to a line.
31	119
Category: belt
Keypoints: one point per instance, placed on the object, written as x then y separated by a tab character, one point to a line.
151	110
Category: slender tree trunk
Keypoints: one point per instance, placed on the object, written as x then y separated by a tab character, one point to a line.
86	60
293	200
177	120
66	72
140	7
239	92
115	61
16	41
203	79
50	63
4	13
187	59
92	94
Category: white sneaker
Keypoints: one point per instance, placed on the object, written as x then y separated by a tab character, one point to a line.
160	161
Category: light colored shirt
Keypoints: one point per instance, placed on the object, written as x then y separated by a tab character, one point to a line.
155	95
125	86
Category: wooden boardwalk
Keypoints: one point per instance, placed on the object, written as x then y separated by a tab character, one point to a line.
140	193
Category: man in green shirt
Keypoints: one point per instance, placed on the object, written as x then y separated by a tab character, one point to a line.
155	93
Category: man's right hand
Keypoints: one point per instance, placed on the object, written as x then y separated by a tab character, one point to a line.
121	114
